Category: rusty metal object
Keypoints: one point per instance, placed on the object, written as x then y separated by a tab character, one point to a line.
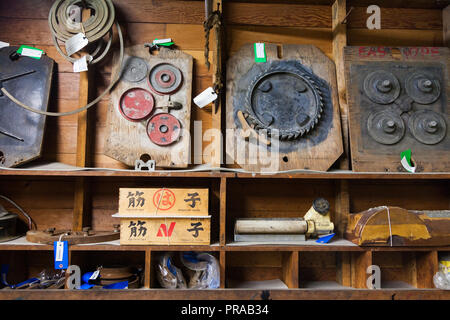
29	80
116	272
165	78
136	104
73	237
163	129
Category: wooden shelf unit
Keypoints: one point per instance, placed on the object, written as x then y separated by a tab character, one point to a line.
310	271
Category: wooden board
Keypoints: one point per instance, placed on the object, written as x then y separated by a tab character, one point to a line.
128	141
368	154
163	201
165	231
302	154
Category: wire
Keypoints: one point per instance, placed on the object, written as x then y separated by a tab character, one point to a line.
30	221
68	113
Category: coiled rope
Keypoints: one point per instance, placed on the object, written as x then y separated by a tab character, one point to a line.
95	28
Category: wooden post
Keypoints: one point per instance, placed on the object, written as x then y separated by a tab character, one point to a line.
80	196
223	211
446	24
217	110
342	207
147	268
339	42
426	268
343	265
359	264
289	265
222	263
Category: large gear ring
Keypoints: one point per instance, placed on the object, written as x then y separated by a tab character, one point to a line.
427	126
381	87
386	127
286	99
165	78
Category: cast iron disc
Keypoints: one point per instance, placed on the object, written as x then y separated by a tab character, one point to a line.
285	99
163	129
386	127
422	88
135	69
381	87
165	78
427	126
136	104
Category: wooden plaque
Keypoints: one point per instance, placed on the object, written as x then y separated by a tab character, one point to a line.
128	140
398	100
300	103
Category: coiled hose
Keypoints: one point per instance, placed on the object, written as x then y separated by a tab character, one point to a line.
95	28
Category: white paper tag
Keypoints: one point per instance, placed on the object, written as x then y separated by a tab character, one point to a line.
158	41
406	165
260	52
27	52
95	275
80	65
4	44
59	251
76	43
205	97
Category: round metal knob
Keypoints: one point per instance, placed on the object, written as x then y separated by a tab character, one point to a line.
384	86
431	126
425	85
389	126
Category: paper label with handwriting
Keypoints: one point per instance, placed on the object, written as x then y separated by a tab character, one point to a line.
205	97
76	43
80	65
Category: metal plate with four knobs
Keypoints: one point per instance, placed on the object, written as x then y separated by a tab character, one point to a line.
386	127
165	78
422	88
427	126
135	69
381	87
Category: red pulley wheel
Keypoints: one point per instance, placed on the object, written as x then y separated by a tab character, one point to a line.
165	78
136	104
163	129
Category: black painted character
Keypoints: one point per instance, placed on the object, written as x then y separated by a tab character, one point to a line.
142	229
133	228
193	199
135	199
196	228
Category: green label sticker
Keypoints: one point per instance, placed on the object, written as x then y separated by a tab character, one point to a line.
163	42
31	52
260	52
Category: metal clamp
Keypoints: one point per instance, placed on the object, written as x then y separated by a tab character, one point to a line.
139	165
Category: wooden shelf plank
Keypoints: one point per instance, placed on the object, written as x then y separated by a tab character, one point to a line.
334	174
224	294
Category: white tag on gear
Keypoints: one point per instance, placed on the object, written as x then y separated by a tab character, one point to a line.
205	97
76	43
